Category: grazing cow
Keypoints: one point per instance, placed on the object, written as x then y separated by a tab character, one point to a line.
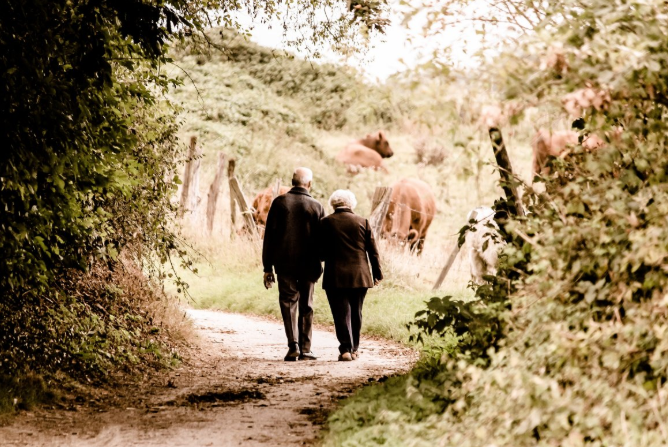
409	214
366	153
553	144
261	206
483	242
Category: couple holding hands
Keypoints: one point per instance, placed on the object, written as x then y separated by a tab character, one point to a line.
297	238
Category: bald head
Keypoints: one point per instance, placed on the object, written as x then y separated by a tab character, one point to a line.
302	177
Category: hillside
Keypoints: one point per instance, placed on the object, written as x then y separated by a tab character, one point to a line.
274	112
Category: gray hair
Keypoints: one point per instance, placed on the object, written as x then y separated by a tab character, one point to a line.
343	198
302	176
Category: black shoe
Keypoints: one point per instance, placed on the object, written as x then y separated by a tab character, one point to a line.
292	355
308	356
346	357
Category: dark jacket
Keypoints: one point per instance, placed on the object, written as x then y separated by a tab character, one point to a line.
290	236
345	241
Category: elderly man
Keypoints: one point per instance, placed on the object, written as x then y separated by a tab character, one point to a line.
347	246
290	248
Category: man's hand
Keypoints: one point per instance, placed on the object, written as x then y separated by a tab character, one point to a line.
376	281
269	280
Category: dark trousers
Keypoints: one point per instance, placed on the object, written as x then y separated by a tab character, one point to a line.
295	296
346	305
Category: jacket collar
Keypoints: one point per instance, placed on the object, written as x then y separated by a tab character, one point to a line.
344	210
299	190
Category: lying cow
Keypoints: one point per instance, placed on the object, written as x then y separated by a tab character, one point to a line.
261	206
366	153
410	213
547	144
483	242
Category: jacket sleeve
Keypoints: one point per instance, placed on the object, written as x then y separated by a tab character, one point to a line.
270	237
372	251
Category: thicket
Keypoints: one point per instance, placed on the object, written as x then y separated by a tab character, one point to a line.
87	173
577	352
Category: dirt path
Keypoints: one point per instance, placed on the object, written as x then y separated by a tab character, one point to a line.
237	390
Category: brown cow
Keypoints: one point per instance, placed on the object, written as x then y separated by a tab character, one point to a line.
553	144
366	153
410	212
261	206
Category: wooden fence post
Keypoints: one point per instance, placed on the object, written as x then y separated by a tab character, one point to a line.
237	194
446	268
379	205
506	172
507	183
451	258
233	207
214	190
277	189
376	198
190	189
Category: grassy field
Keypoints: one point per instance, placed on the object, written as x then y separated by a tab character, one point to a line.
274	113
237	286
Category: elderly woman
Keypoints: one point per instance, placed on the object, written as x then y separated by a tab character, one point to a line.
345	241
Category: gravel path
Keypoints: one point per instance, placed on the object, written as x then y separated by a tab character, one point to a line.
235	390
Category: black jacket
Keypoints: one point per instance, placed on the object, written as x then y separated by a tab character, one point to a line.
290	236
345	239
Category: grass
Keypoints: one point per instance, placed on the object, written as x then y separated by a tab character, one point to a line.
233	282
390	413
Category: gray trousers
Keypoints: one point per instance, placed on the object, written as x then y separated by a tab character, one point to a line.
295	297
346	305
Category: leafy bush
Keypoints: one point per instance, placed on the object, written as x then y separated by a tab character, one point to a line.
102	321
581	357
88	168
